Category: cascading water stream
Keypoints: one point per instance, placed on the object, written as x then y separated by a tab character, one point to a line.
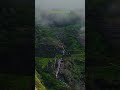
59	63
58	68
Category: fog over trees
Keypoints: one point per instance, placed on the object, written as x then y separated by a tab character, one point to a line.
72	11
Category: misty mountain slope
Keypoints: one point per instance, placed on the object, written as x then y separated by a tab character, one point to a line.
57	31
49	17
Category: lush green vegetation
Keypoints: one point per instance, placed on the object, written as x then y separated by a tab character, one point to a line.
65	32
74	67
55	35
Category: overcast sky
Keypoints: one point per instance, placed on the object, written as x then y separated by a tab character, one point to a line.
67	4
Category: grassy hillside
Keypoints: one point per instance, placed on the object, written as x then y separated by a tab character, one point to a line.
38	83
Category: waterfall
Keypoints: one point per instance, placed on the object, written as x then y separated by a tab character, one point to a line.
59	63
58	68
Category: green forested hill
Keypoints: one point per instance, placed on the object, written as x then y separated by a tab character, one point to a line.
62	37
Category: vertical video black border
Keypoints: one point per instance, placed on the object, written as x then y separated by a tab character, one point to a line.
17	42
102	55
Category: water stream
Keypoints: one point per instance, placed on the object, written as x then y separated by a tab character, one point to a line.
59	63
58	68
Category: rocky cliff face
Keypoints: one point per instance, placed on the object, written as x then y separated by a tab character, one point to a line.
67	74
